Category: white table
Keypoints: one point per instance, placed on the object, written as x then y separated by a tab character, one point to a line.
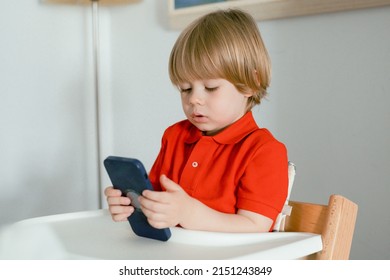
93	235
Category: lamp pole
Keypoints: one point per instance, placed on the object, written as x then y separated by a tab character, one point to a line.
96	60
96	68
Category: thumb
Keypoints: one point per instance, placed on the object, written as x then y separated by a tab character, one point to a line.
168	184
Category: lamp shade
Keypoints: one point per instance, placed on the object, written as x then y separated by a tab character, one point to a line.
88	2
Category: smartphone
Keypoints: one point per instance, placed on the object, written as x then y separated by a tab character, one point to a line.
129	176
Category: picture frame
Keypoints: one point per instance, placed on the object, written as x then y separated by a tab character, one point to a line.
181	15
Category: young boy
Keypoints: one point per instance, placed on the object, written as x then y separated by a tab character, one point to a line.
216	170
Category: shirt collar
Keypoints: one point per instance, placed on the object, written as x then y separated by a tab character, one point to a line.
230	135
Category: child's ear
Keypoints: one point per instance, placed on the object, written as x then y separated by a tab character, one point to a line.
257	78
248	94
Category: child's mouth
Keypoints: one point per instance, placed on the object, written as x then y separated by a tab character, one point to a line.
199	118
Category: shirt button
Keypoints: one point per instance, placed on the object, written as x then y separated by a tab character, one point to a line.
194	164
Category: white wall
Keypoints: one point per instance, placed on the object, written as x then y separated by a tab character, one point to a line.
328	102
332	85
47	134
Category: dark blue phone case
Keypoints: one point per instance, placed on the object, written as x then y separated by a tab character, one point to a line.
129	176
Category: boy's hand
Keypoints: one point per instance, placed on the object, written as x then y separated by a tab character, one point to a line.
119	206
167	208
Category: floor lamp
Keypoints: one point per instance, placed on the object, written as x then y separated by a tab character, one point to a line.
96	60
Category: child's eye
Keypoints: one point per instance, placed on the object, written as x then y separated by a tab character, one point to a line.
211	89
185	90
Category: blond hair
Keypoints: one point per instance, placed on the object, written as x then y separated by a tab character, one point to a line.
224	44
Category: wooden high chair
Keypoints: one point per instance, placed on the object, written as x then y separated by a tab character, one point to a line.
335	222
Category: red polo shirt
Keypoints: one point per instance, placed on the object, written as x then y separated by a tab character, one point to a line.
242	167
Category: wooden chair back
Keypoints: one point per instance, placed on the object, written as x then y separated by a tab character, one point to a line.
335	222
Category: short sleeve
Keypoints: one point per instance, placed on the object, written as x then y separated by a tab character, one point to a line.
263	187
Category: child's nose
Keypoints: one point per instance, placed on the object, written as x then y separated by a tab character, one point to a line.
197	96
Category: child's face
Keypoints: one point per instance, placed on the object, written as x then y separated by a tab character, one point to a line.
212	105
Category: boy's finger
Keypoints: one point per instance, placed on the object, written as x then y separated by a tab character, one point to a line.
110	191
168	184
121	200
